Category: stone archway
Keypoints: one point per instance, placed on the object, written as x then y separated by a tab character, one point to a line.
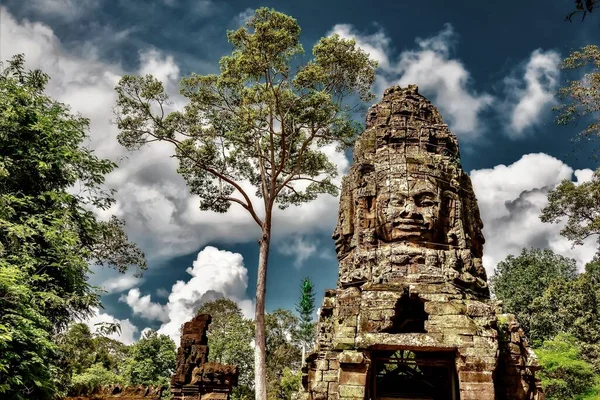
413	375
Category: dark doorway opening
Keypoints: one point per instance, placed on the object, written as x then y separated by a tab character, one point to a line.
413	375
409	315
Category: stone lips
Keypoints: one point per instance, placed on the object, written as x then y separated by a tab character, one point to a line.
409	245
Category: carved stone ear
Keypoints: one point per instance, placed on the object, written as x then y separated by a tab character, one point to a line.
344	230
452	223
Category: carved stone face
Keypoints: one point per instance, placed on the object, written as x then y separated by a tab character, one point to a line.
408	210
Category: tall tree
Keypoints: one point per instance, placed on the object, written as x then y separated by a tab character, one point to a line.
567	305
260	122
306	308
565	375
517	281
48	234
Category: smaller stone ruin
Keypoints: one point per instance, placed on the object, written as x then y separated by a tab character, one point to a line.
196	378
106	392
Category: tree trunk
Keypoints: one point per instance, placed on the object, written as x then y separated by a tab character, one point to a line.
260	358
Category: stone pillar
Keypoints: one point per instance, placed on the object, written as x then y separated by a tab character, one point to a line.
195	378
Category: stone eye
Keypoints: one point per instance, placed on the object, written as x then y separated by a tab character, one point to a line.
425	201
397	202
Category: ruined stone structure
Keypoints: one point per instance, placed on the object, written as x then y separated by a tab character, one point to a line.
411	317
196	378
116	392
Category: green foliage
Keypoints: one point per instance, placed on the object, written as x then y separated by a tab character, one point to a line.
26	351
151	360
92	359
579	205
242	392
580	102
283	351
517	281
580	98
288	384
567	306
92	377
306	308
566	375
229	337
48	235
80	350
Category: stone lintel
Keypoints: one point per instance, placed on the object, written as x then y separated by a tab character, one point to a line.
406	341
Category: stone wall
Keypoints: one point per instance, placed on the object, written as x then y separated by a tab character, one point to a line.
109	392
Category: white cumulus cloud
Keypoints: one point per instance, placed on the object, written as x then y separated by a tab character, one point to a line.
120	283
128	330
301	248
530	98
214	274
444	79
510	199
144	306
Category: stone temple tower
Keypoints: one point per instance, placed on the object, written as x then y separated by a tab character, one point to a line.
411	317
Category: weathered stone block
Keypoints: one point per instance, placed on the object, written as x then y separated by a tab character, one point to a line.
353	378
475	377
444	308
322	364
330	376
351	391
319	387
351	357
341	343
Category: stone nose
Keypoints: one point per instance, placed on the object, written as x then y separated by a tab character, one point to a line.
409	208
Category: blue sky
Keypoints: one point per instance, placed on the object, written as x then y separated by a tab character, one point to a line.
491	69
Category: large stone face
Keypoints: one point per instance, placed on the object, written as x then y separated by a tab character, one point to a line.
194	376
412	310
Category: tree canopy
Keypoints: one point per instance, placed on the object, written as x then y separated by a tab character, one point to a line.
580	98
230	337
517	281
49	234
151	360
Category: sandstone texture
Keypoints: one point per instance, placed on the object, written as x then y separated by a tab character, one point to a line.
195	378
109	392
411	316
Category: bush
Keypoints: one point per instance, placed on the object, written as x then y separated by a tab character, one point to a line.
566	375
93	377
